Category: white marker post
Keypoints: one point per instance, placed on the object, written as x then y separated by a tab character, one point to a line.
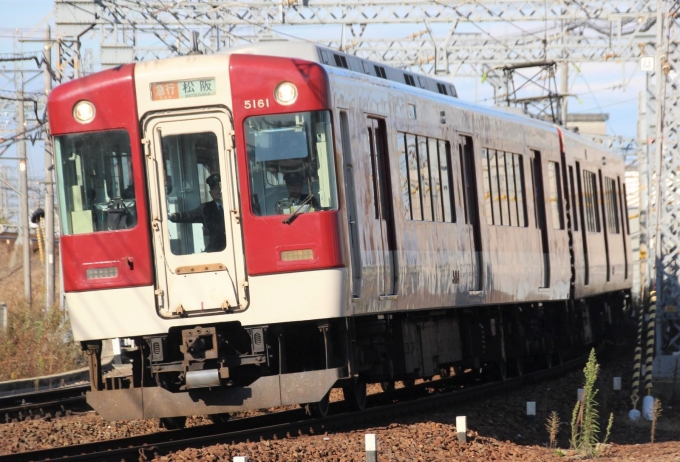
531	410
240	459
617	383
579	394
371	448
461	428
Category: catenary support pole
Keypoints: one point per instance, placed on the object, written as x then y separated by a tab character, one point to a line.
23	189
49	185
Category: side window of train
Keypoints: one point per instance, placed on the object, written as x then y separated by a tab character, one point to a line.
574	207
555	195
591	202
624	201
504	189
425	179
611	206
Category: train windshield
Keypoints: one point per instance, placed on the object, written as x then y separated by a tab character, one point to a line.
291	161
96	190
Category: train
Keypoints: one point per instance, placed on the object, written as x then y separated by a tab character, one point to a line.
267	223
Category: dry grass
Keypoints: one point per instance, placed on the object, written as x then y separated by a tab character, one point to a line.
36	342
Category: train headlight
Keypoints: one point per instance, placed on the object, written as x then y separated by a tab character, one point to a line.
84	112
285	93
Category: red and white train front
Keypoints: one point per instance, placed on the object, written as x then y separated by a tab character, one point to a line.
199	216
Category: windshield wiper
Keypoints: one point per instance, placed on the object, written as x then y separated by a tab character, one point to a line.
297	211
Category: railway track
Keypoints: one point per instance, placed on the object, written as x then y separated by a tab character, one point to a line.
52	403
428	395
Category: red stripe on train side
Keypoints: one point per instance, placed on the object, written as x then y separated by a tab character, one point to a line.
113	94
254	78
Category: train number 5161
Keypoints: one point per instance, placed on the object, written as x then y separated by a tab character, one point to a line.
256	103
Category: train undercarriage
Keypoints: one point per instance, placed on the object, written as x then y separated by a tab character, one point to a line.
223	368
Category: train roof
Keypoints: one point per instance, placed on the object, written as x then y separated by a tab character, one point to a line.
319	54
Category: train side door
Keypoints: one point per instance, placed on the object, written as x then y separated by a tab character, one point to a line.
471	204
350	200
198	257
541	222
384	216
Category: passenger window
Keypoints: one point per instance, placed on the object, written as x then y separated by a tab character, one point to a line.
414	177
574	213
518	168
554	184
447	181
486	179
611	206
403	175
435	182
590	197
425	190
503	189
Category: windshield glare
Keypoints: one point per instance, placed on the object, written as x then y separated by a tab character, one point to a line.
291	163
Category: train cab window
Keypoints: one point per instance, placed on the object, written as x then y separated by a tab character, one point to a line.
291	163
194	193
555	198
611	206
591	202
95	177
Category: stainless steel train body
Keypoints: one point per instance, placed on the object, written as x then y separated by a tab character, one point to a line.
443	234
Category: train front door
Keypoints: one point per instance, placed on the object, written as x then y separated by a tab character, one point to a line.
195	212
384	216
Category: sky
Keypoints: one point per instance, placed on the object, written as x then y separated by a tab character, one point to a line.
610	88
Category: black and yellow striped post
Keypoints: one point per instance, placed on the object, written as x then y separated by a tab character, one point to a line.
637	362
649	354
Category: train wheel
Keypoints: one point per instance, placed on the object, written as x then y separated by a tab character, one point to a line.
172	423
319	409
503	369
387	386
549	360
355	395
408	383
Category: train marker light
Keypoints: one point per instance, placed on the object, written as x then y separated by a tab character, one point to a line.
285	93
84	112
295	255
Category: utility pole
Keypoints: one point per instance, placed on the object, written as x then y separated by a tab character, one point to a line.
564	84
23	189
49	185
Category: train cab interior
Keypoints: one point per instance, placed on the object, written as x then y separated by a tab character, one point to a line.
95	170
290	164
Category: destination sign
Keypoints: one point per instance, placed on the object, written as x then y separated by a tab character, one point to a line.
182	89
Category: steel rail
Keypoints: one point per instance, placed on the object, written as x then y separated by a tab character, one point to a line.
287	423
25	405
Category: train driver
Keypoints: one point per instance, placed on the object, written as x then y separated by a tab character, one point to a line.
211	214
294	183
